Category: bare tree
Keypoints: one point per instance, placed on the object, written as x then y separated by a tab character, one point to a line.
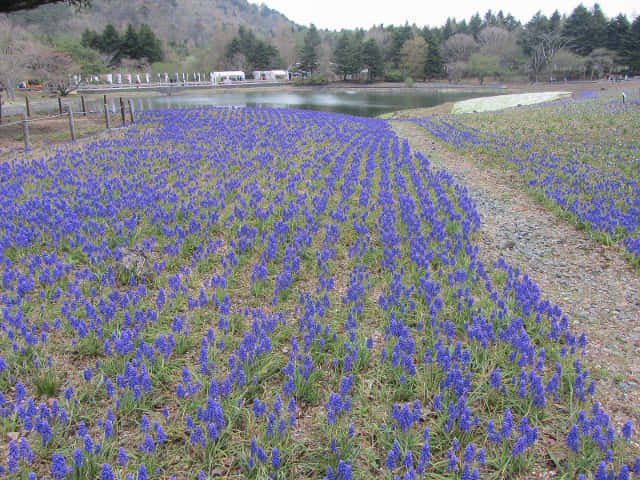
459	47
325	53
565	63
383	37
546	46
285	41
602	62
455	70
13	48
135	64
494	40
540	39
238	61
22	56
502	43
47	63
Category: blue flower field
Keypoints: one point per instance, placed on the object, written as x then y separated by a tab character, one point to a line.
264	293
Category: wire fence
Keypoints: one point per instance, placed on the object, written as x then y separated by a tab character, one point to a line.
24	131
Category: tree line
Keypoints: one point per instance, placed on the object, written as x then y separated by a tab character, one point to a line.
583	45
138	44
249	53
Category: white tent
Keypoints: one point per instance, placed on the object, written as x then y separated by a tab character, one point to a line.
230	76
271	75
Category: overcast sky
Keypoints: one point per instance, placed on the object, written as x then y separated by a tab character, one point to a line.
338	14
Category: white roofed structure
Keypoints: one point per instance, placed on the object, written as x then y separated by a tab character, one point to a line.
272	75
228	76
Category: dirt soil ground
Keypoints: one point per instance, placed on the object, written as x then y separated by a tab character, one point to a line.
52	131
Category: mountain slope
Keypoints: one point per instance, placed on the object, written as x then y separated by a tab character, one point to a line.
197	23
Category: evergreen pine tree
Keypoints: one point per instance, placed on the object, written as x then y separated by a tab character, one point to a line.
91	39
577	31
598	27
149	46
475	25
372	59
341	55
309	52
632	47
618	30
111	42
130	46
399	36
434	66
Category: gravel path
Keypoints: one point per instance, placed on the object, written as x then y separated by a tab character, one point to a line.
592	283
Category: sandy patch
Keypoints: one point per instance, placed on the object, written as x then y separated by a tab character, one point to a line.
488	104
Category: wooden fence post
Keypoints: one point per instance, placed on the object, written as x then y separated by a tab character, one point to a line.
84	108
71	125
124	119
106	113
25	131
26	101
59	105
0	107
131	111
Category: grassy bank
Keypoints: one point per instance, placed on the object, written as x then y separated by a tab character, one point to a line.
578	156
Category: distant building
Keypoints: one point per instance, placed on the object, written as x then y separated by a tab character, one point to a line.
225	77
271	75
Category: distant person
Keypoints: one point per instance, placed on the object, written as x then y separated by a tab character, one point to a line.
624	98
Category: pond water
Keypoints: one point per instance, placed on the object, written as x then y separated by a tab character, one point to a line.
362	102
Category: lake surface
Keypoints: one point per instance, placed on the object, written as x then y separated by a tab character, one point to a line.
362	102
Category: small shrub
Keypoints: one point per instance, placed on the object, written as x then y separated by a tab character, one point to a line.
393	76
313	79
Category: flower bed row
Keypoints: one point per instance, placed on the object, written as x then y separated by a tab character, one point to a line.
580	155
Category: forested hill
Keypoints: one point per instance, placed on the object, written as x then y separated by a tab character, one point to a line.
199	23
207	35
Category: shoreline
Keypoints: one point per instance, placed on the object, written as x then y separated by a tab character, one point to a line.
48	100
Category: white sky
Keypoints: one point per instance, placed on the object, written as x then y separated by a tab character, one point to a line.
338	14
